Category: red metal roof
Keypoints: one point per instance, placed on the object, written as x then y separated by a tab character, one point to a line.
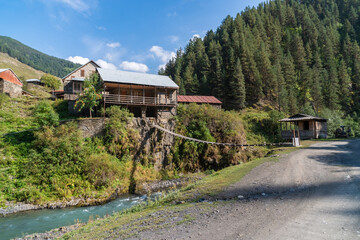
198	99
10	76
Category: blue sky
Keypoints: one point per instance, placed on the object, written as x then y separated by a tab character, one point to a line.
138	35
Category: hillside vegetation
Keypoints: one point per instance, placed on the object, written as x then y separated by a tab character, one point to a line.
298	56
22	70
36	59
42	160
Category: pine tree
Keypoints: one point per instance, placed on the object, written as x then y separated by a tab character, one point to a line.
237	93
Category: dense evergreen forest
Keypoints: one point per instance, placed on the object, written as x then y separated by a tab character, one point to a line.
33	58
294	55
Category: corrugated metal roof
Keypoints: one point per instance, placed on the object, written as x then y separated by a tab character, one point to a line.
117	76
33	80
198	99
302	117
16	81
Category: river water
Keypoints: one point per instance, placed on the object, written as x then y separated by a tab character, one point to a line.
37	221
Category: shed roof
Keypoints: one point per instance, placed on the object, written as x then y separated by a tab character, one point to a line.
17	81
33	80
302	117
198	99
117	76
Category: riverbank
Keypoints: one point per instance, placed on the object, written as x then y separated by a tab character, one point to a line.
146	188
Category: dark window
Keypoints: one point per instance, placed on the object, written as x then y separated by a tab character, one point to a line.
82	73
77	87
306	125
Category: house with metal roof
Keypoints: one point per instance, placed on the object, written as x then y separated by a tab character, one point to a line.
211	100
34	81
307	126
10	84
145	95
73	82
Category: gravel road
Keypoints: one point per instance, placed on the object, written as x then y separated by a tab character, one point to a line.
312	193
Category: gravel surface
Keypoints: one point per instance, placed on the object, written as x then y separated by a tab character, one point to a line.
312	193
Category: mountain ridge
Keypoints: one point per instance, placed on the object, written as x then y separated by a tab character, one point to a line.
34	58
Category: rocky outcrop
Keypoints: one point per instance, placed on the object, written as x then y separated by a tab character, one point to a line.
155	145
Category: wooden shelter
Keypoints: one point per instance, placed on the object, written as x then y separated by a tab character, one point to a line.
309	127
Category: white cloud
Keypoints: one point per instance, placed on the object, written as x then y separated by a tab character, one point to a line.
195	36
101	28
134	66
78	59
174	39
162	54
104	64
113	44
161	66
78	5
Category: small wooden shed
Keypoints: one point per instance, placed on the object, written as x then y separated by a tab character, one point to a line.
309	127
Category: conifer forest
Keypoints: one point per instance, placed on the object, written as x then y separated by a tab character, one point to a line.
297	56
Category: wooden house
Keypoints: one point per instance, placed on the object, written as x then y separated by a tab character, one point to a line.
211	100
145	95
309	127
10	84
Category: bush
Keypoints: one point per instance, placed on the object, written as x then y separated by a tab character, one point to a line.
210	124
121	139
50	81
45	114
102	169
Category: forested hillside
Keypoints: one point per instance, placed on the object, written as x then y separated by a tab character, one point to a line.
33	58
296	55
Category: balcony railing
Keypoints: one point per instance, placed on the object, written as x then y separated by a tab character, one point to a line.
137	100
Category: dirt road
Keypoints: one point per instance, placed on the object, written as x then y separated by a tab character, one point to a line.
312	193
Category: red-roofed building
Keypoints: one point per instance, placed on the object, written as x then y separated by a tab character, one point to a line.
9	83
213	101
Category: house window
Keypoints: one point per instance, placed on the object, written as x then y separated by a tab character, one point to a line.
82	73
77	87
306	125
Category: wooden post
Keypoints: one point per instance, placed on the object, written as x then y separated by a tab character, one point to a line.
104	100
143	95
155	97
131	94
119	98
299	136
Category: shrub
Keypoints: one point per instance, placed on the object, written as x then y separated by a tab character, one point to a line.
45	114
210	124
102	169
51	81
121	139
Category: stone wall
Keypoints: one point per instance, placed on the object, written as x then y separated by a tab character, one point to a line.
13	90
154	144
92	127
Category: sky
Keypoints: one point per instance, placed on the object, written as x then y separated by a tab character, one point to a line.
138	35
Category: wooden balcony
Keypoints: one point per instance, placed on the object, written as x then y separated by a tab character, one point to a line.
138	100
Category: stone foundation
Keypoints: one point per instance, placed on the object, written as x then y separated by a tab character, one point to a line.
13	90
